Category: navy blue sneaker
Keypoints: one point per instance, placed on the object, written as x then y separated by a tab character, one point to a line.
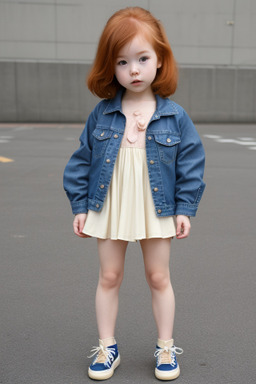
167	367
106	361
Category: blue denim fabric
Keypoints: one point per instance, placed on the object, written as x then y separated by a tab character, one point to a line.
175	159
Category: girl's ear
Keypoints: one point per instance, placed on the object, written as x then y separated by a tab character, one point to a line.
159	64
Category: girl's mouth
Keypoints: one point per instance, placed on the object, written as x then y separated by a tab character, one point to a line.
136	82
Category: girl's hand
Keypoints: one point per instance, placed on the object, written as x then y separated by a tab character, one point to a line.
78	224
183	226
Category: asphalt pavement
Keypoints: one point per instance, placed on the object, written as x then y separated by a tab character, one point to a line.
48	276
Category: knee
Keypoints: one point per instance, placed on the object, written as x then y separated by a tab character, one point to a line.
158	280
110	279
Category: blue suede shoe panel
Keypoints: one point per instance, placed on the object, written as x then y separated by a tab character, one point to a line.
112	356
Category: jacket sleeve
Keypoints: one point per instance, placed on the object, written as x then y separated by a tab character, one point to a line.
76	173
190	164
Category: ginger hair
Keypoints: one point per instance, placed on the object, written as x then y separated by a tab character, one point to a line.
120	29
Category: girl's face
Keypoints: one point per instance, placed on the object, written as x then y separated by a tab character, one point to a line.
136	66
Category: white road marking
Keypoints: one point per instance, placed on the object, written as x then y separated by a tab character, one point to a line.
23	128
6	137
236	142
246	138
212	136
245	141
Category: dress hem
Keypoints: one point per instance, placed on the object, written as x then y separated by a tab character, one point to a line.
123	238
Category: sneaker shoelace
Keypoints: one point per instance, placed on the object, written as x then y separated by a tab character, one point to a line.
104	355
167	355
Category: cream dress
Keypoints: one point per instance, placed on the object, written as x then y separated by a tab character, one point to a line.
128	212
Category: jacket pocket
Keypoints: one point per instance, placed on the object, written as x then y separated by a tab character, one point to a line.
167	146
101	139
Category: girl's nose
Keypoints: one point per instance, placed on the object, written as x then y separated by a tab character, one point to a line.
134	70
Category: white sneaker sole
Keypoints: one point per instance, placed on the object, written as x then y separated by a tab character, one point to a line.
104	375
167	375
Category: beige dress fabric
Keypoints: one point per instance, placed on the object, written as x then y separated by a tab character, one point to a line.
128	212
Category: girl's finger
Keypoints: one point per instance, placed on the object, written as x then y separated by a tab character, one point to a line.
178	230
183	229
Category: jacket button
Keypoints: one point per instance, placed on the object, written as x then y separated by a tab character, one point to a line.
159	210
97	205
152	162
155	189
149	138
169	140
102	186
102	134
108	161
115	136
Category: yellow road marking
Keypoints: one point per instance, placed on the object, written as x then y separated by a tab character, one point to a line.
5	160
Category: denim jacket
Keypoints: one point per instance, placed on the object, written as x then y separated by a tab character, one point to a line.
175	159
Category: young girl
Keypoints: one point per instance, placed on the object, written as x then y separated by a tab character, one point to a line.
136	176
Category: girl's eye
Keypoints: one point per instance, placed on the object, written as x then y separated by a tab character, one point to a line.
122	62
143	59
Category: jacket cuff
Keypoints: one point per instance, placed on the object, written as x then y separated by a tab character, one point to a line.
79	206
186	209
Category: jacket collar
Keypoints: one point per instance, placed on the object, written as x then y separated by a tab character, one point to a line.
164	107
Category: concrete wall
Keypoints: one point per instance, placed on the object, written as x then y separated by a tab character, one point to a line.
51	92
201	32
46	47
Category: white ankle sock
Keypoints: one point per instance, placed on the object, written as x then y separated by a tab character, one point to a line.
107	342
165	343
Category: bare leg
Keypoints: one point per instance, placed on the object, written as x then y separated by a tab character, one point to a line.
156	254
112	257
